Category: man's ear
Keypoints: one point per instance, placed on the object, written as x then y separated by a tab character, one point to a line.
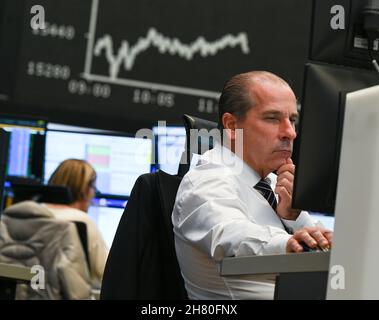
229	122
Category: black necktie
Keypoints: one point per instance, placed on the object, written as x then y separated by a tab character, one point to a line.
265	189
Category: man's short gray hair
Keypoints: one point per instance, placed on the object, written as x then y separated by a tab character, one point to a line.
237	97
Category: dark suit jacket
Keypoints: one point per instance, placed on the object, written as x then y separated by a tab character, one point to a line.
142	262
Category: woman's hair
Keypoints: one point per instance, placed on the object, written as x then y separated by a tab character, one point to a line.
77	175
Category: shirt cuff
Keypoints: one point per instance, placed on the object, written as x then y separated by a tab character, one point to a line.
277	244
302	221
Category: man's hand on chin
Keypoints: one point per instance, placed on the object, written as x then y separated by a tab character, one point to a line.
284	187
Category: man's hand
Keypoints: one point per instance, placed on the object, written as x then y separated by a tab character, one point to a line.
284	187
313	237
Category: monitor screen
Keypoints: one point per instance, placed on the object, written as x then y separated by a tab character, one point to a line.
26	146
106	213
326	220
316	153
144	61
118	160
169	147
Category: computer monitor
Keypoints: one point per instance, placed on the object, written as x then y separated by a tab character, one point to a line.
107	213
169	147
170	143
316	153
118	160
340	36
326	219
26	147
356	204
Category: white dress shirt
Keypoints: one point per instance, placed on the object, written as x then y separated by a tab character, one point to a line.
218	214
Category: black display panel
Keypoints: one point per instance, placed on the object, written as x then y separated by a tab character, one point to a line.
317	151
347	44
26	147
4	138
114	63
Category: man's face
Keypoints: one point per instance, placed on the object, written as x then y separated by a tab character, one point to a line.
269	128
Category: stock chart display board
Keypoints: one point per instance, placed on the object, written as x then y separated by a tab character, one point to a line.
148	60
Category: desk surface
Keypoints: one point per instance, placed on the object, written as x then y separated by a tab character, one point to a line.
274	264
15	272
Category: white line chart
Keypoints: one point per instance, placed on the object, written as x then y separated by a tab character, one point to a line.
126	55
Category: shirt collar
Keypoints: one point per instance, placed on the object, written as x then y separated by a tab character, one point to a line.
244	172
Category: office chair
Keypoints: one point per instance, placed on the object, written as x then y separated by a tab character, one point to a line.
81	229
200	136
142	262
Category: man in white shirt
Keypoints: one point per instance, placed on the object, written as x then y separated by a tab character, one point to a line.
225	207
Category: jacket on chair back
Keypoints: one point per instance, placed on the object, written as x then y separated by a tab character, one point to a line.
142	262
30	235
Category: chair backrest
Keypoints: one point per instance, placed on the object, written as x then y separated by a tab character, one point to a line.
142	262
200	137
40	193
81	228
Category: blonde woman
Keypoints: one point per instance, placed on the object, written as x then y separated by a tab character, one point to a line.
80	178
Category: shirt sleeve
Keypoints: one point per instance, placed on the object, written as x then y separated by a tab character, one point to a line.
303	220
211	216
